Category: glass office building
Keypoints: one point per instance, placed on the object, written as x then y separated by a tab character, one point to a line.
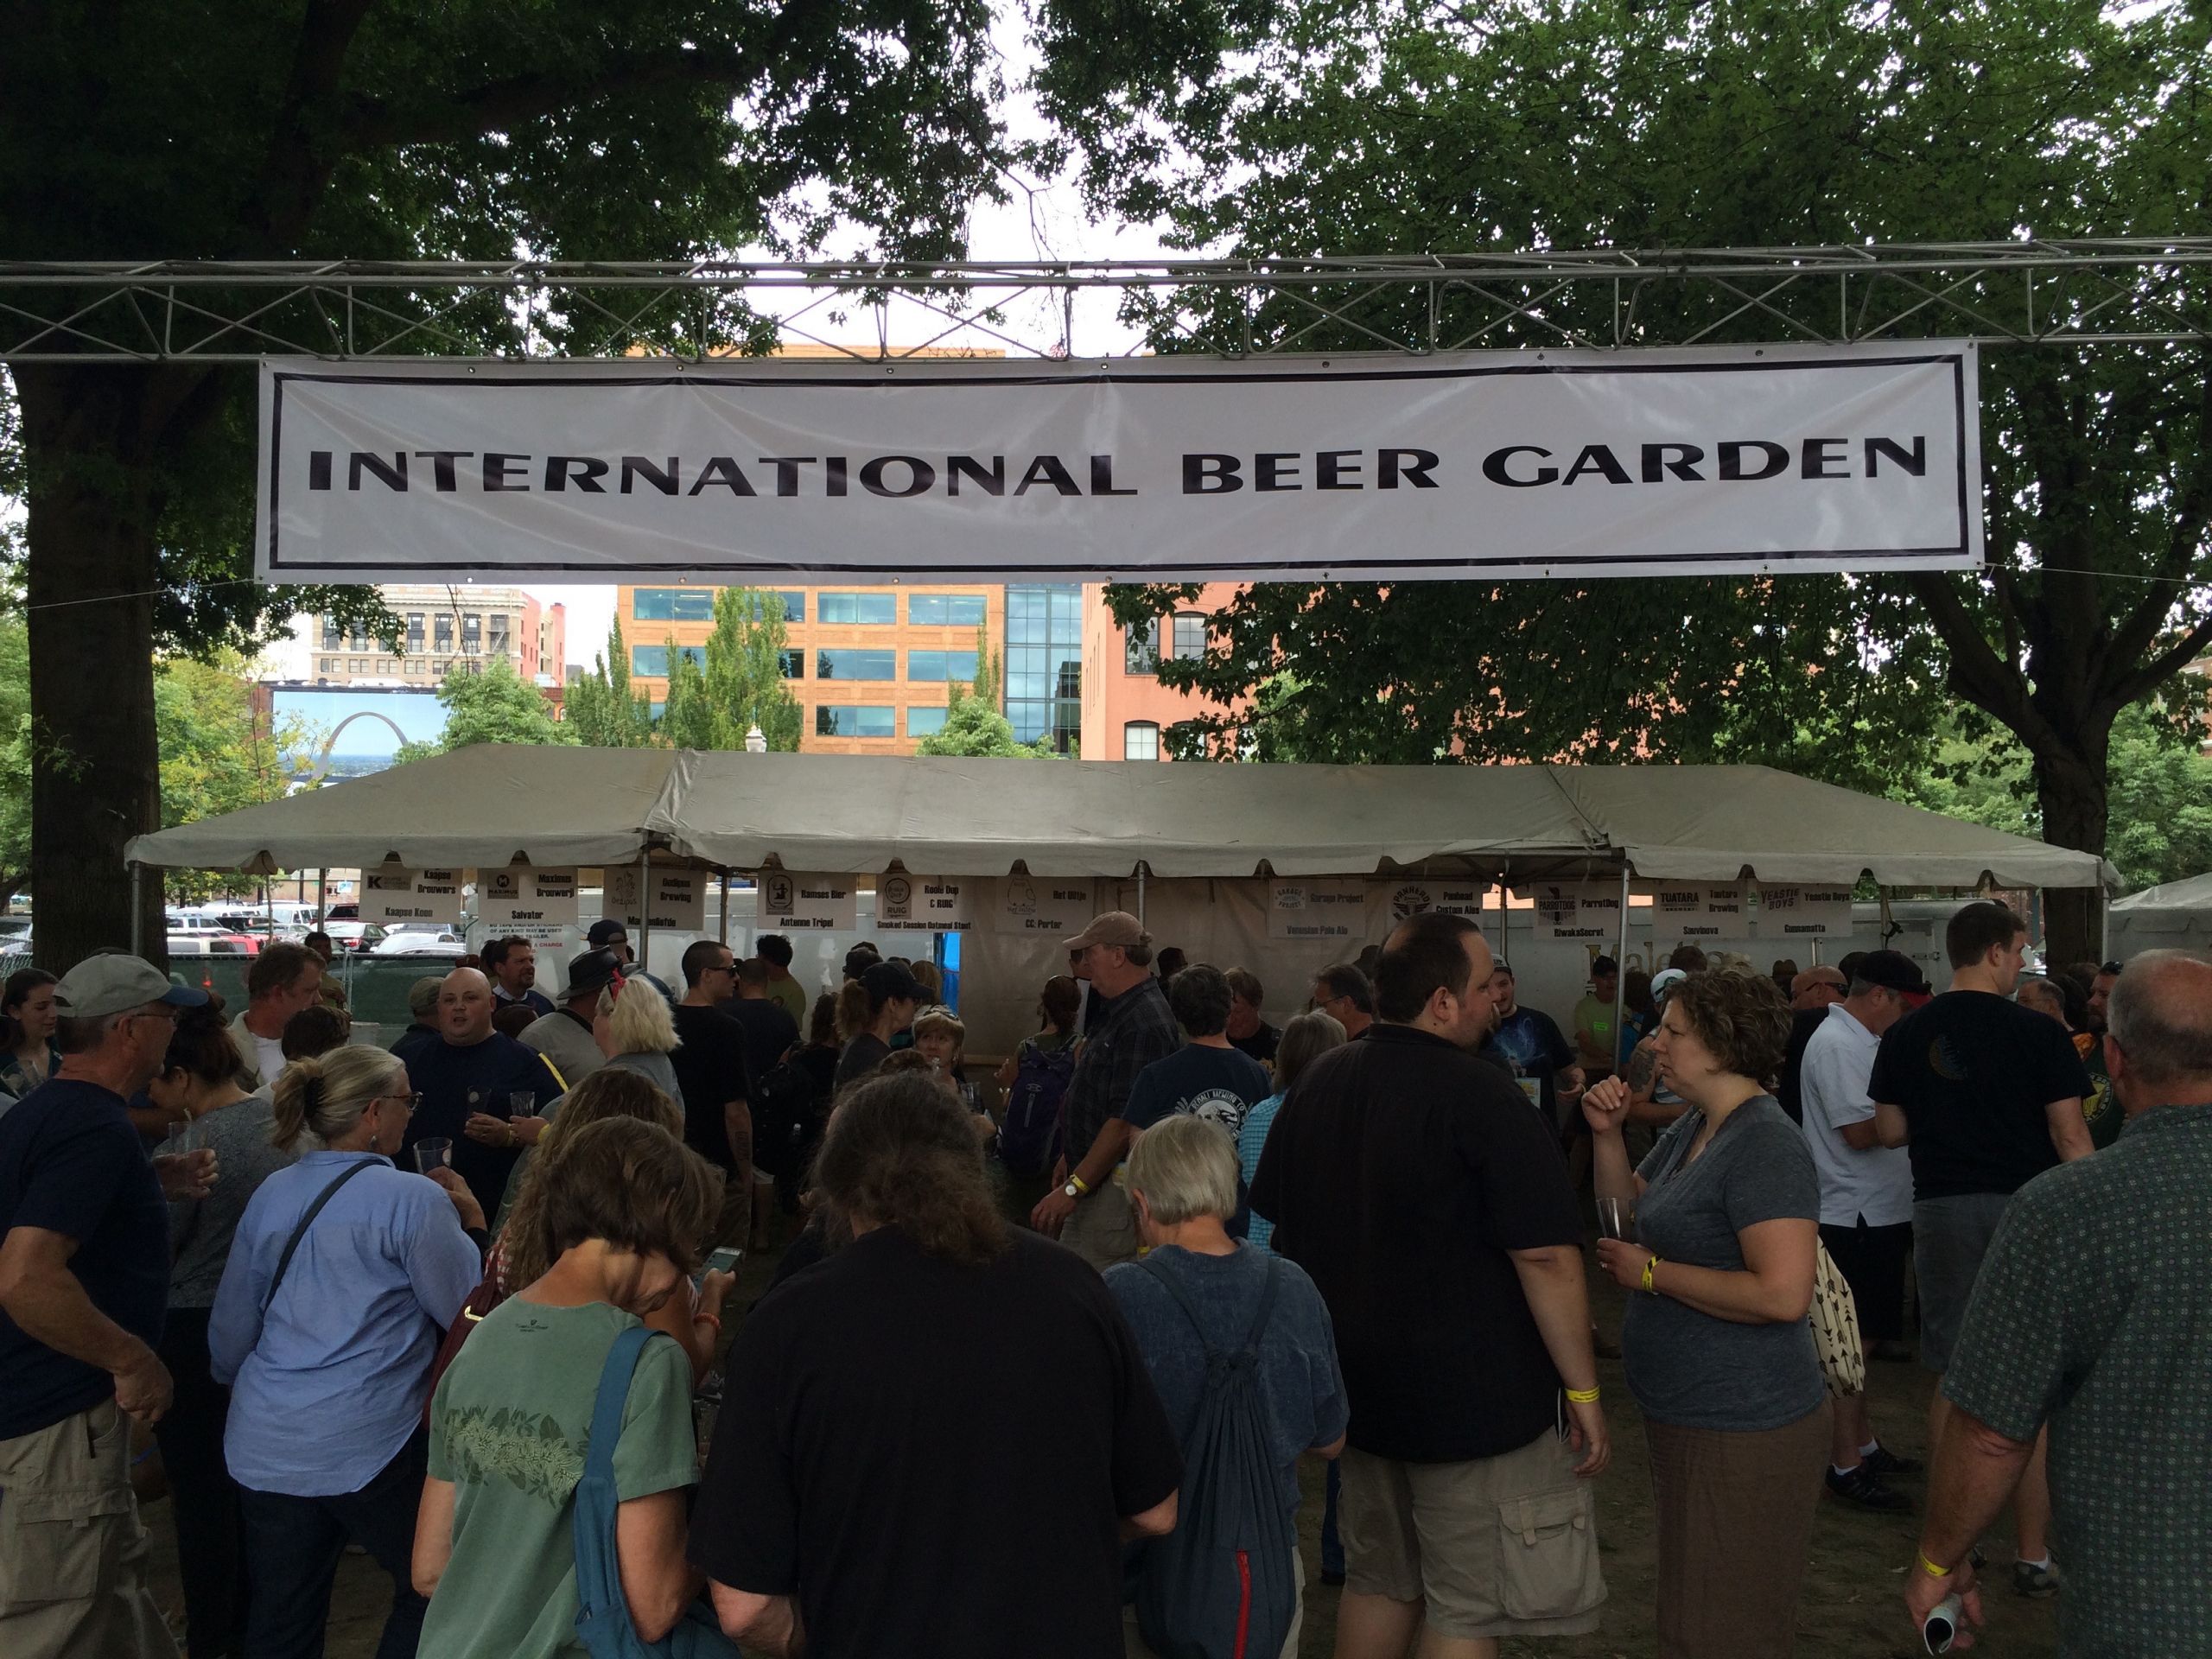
1044	663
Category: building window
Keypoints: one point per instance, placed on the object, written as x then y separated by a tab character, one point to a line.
443	624
842	664
1140	741
472	631
794	603
1044	663
358	640
673	604
651	661
793	662
499	635
330	665
413	630
947	610
872	610
333	636
922	722
1190	638
855	719
1143	653
941	665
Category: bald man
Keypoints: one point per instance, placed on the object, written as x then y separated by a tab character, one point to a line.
1816	988
481	1090
2088	1319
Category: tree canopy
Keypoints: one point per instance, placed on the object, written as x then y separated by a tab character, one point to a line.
974	723
736	681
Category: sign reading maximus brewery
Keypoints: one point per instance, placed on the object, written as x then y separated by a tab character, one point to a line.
1494	465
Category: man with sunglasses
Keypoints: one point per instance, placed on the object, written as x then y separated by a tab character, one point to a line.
84	1281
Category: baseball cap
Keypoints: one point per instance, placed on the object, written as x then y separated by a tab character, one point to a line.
1892	970
860	959
110	984
887	981
594	971
1114	927
1665	981
422	996
605	932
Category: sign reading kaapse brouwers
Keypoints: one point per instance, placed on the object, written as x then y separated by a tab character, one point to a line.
1486	465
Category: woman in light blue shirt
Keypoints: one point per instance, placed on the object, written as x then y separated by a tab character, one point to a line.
1305	1038
327	1355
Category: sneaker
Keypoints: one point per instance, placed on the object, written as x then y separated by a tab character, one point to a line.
2037	1583
1863	1488
1883	1461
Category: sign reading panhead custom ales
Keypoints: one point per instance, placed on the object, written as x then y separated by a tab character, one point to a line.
1483	465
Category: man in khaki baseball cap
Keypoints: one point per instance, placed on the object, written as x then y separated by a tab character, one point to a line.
1115	927
102	985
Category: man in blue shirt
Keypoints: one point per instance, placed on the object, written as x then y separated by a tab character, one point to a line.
84	1279
481	1090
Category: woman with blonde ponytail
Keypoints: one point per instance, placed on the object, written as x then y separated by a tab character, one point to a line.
344	1271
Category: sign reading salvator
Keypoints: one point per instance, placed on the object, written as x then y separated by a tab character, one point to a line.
1488	464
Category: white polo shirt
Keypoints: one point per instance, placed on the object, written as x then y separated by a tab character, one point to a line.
1875	1186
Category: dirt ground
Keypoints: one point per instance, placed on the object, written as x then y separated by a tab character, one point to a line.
1850	1610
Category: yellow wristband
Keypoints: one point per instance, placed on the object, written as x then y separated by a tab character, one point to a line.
1079	1184
1932	1570
1583	1396
1648	1266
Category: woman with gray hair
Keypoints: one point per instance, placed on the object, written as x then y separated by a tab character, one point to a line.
1200	1296
343	1274
637	1033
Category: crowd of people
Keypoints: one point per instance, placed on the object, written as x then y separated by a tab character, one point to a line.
1038	1372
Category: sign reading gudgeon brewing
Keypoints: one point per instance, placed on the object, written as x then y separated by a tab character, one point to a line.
1411	895
390	894
1528	463
522	896
925	904
1312	909
789	902
1700	910
674	900
1804	912
1036	903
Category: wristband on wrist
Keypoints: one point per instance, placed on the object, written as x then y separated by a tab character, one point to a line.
714	1319
1648	1267
1583	1396
1931	1569
1079	1184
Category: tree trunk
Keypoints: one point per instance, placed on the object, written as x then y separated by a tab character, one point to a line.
2075	798
94	501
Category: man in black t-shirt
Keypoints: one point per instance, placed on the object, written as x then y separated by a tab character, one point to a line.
933	1441
1531	1043
481	1090
1431	1206
770	1034
711	1070
1987	1096
1248	1033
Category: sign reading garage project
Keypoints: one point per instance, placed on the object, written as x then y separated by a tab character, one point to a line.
1700	910
1531	463
389	895
792	903
1031	904
1317	910
1804	912
928	904
674	900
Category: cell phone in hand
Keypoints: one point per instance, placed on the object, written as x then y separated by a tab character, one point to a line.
722	1260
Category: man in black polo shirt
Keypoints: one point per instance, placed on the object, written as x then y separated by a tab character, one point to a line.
1432	1207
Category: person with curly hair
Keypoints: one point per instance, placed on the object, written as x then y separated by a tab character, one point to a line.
1718	1353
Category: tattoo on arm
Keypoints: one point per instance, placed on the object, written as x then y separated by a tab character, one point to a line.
1641	1069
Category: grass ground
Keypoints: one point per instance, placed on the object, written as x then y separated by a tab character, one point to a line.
1851	1609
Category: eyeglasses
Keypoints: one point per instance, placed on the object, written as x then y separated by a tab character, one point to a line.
165	1013
413	1103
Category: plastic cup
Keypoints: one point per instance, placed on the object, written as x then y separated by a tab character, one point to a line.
433	1152
1617	1218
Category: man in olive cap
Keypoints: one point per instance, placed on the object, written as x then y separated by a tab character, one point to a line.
1129	1026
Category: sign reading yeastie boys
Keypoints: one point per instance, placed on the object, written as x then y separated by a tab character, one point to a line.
1804	912
390	894
926	904
1162	468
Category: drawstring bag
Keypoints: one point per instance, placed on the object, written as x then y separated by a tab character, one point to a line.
602	1616
1834	1319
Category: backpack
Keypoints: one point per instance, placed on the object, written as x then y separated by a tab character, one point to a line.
1221	1585
602	1616
784	1101
1029	1134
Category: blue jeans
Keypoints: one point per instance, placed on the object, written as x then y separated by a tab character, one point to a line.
1333	1548
294	1544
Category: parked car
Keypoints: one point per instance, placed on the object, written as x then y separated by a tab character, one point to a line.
422	939
356	937
212	944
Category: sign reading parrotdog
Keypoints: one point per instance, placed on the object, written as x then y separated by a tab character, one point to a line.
1480	465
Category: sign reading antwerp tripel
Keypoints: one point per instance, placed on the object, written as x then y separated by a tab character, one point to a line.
1505	464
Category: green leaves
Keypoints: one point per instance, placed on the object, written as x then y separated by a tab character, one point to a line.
491	703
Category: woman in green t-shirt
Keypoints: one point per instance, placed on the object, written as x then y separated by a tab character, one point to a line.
625	1214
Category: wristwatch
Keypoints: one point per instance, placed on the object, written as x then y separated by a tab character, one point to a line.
1072	1191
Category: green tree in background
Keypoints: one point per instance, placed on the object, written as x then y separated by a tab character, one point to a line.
736	681
600	710
974	724
215	757
490	704
15	756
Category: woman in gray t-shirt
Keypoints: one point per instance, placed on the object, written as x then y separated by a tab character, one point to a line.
1718	1353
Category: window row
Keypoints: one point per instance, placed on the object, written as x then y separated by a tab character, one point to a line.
873	720
697	604
1186	642
651	662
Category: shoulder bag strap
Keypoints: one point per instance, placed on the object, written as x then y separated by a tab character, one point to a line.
292	1244
1266	1305
613	1395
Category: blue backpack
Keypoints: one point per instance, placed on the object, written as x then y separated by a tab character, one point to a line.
1221	1586
1029	1138
602	1616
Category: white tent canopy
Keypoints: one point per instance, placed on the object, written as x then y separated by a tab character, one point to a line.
491	804
2177	914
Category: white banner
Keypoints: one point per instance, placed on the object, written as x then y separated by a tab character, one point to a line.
679	900
390	894
791	903
1033	904
1700	910
1804	912
924	904
1458	896
1577	912
1588	463
522	896
1316	909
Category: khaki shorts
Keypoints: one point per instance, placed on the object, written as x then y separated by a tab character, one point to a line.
1103	1229
1503	1546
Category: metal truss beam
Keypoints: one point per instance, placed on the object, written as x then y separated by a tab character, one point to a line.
2095	291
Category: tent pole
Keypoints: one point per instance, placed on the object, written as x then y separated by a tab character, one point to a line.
1139	895
321	896
1620	974
725	929
137	908
644	909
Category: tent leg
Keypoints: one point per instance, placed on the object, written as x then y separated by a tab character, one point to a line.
321	896
137	908
1620	974
725	929
645	910
1139	895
